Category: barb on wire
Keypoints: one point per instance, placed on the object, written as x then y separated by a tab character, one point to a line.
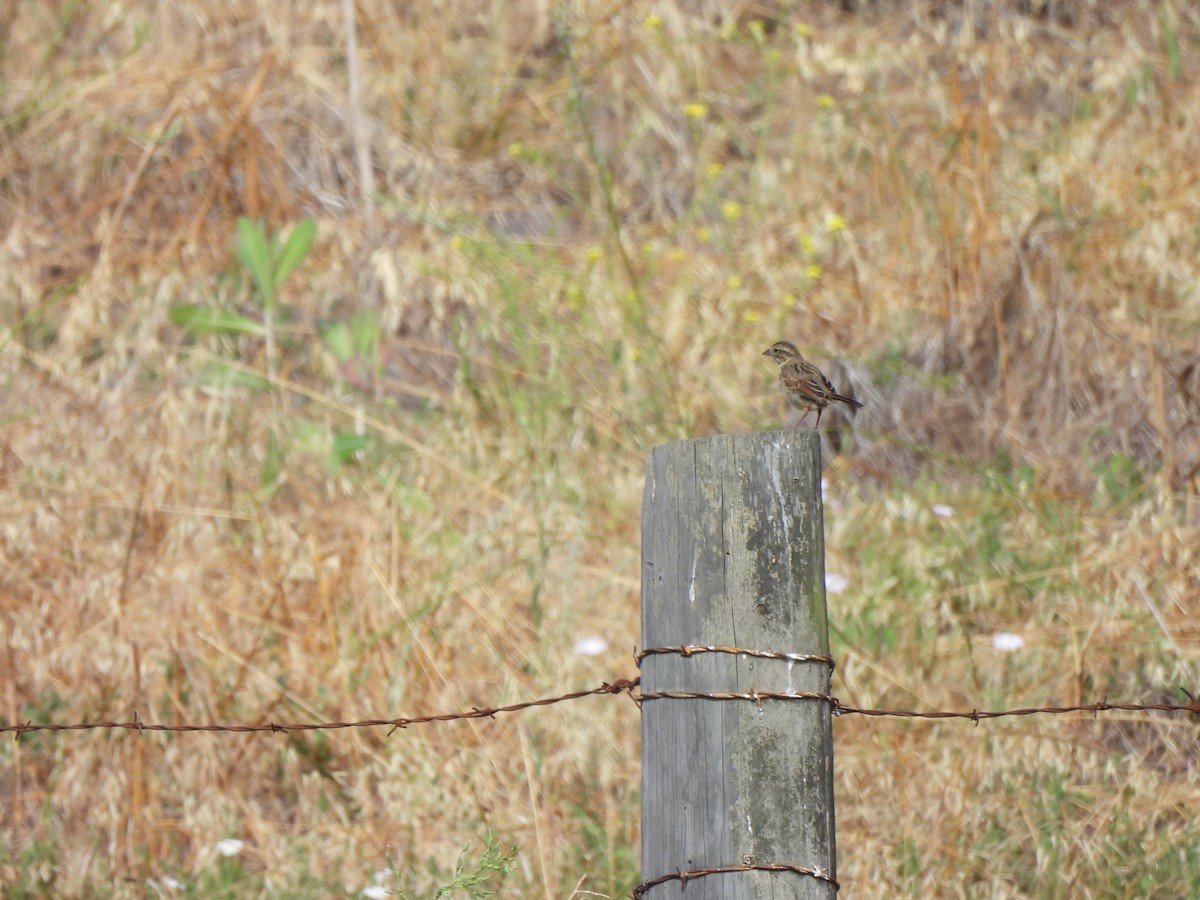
684	877
620	686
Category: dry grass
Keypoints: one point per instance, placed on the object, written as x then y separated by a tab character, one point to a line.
586	226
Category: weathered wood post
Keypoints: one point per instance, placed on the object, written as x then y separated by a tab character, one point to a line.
733	555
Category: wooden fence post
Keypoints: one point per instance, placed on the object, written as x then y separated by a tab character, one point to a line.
733	555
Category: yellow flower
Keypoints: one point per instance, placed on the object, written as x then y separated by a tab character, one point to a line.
516	148
676	254
704	232
715	169
733	282
806	244
731	210
751	316
592	254
813	271
652	22
835	223
457	242
825	101
695	110
789	300
802	29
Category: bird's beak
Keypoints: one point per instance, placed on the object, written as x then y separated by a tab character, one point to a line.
767	352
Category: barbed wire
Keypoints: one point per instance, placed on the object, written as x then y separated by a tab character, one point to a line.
683	877
620	686
686	650
756	697
632	687
978	715
840	709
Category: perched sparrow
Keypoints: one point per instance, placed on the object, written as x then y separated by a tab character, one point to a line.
802	382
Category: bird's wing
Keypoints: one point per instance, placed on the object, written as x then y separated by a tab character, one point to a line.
808	381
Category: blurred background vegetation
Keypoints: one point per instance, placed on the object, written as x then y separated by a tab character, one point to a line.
333	338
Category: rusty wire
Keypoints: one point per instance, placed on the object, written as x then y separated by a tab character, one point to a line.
629	686
975	715
756	697
683	877
978	715
687	650
621	685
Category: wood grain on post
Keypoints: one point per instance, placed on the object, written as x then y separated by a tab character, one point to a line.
733	554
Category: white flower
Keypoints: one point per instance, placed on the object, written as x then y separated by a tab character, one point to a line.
835	583
375	892
591	645
942	510
230	846
1007	642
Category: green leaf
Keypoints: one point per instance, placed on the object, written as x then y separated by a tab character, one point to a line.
294	251
218	374
255	257
196	319
364	325
336	337
345	446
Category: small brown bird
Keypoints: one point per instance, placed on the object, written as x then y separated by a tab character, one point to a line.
802	382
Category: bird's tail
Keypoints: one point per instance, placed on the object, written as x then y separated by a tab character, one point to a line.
849	401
